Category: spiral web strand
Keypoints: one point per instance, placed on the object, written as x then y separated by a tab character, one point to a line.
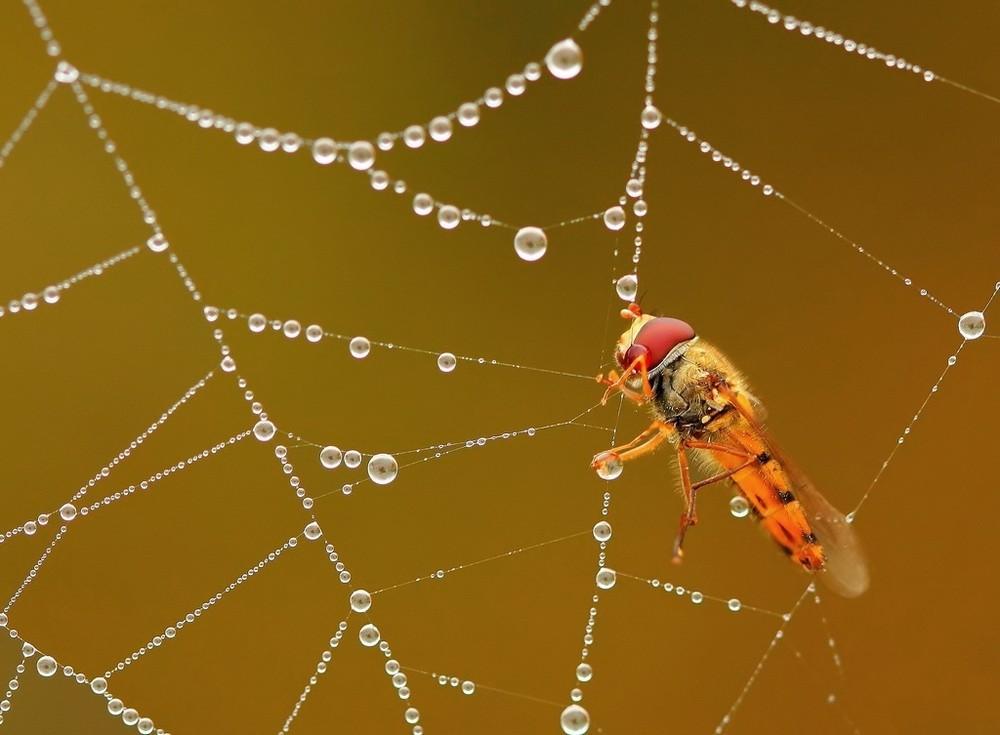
264	428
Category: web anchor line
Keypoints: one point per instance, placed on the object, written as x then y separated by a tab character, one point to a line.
808	29
768	190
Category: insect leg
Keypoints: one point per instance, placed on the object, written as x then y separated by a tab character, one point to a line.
612	378
646	442
690	515
639	364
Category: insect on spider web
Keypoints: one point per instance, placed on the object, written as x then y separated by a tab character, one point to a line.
359	619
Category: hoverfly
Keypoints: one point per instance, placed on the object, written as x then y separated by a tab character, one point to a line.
701	404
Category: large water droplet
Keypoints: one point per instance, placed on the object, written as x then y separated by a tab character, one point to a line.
330	457
972	325
46	666
382	469
614	218
609	466
324	151
739	507
360	347
446	362
530	243
574	720
264	431
565	59
361	601
606	578
369	635
627	287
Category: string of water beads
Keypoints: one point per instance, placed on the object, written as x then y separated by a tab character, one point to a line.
614	217
469	686
321	668
768	190
384	475
805	28
12	686
27	120
441	573
414	136
52	294
47	667
734	604
170	632
69	512
360	347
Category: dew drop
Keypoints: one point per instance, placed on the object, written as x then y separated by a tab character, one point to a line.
50	294
352	458
468	687
697	598
651	117
739	507
627	287
98	685
468	114
414	136
614	218
606	578
565	59
446	362
584	672
734	605
257	323
145	726
574	720
530	243
449	217
412	715
360	347
602	531
46	666
369	635
609	466
440	129
228	364
264	431
66	73
361	601
361	155
423	204
67	512
972	325
493	97
314	333
324	151
291	329
382	469
312	531
330	457
157	242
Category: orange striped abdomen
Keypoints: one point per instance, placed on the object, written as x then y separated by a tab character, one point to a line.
767	487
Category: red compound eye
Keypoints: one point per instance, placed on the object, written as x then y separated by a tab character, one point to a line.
657	338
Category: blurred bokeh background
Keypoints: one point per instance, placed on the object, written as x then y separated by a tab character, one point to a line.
840	353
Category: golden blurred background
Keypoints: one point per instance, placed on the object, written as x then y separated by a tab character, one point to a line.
841	353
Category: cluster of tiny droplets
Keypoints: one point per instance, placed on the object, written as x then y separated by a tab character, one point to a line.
70	511
768	190
170	632
33	572
804	27
52	47
591	15
22	127
51	294
321	667
12	686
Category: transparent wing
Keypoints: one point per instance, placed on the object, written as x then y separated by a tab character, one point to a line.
845	570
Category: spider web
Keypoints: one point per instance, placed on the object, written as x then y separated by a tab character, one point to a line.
296	539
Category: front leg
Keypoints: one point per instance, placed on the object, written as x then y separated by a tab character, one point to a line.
652	437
